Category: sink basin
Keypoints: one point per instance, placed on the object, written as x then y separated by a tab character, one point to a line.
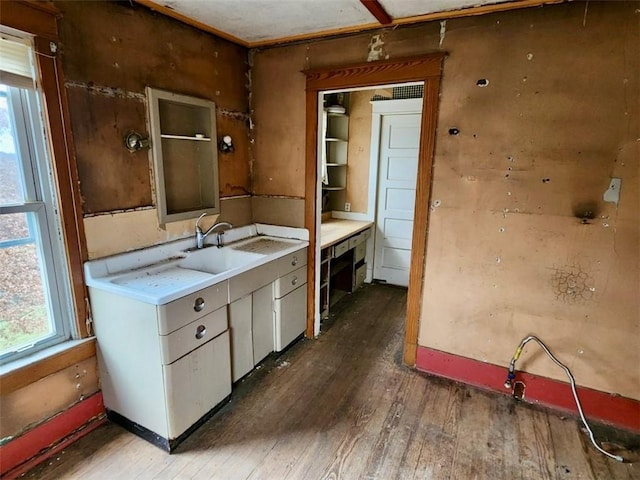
264	245
217	260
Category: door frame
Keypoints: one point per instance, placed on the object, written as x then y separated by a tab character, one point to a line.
407	106
426	69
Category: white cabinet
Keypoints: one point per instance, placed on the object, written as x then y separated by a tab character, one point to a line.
262	323
240	321
191	388
261	310
291	316
184	148
163	369
251	325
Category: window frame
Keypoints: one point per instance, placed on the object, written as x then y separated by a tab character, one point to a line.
39	20
39	204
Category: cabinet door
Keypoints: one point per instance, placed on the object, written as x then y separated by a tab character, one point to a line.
291	316
197	383
263	341
241	337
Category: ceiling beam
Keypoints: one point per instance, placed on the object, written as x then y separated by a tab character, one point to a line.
378	11
450	14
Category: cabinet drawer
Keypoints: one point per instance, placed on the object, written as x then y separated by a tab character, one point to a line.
359	238
250	281
290	282
189	337
340	248
359	252
292	262
185	310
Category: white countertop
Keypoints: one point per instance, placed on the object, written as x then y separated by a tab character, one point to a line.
335	230
153	275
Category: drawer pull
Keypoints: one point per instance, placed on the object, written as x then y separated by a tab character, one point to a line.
294	281
201	331
294	262
198	306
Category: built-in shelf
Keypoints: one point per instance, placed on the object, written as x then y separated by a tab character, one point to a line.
185	137
334	145
184	148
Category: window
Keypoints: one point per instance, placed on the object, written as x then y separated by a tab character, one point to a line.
35	294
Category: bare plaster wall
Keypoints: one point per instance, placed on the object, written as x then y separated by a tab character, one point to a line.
360	118
111	51
508	253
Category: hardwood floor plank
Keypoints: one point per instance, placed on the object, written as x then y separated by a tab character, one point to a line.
571	462
536	451
344	407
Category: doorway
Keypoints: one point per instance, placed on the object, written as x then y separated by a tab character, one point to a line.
425	69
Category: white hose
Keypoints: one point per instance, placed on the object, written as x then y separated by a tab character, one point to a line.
573	388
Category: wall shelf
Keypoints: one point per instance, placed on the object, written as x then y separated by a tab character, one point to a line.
185	137
185	163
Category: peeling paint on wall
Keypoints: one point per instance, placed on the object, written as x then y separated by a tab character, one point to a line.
571	284
612	194
106	91
443	31
376	49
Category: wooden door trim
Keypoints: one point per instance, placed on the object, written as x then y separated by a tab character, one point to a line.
427	69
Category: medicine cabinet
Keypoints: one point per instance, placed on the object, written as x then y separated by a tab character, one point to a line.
185	156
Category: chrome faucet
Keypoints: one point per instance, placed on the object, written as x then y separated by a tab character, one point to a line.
200	235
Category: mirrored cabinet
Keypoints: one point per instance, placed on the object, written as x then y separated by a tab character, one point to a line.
185	156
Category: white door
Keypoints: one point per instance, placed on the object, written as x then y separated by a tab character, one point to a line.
397	173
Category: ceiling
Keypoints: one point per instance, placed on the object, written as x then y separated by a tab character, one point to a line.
254	23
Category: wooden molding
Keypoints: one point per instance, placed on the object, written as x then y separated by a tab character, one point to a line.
609	408
21	377
465	12
37	18
427	69
43	441
408	69
377	11
169	12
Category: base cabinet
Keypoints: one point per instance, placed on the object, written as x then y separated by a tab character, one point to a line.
272	315
162	371
191	389
291	317
262	323
240	326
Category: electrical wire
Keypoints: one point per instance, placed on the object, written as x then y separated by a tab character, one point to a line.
573	388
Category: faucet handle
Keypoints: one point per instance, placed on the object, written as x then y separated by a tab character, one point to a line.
198	221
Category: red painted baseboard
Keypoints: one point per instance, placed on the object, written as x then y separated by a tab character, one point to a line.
39	443
604	407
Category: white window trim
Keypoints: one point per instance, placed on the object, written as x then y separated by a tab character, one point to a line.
41	195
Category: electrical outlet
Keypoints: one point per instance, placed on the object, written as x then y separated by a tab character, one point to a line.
347	207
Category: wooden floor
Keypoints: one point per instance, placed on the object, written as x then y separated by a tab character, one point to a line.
343	406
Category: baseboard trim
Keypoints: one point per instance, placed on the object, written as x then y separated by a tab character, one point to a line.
612	409
39	443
